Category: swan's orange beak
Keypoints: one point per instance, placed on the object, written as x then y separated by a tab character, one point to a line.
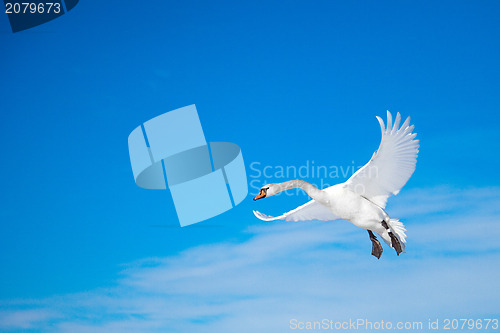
261	195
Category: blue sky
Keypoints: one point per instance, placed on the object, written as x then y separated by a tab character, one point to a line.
82	248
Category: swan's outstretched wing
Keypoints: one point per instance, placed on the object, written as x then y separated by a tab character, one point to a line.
391	165
310	211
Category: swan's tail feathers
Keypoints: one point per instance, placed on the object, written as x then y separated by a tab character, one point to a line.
399	230
264	217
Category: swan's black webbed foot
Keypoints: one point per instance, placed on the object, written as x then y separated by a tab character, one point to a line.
376	247
394	240
395	243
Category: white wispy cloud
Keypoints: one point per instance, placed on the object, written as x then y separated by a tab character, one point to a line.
26	319
308	271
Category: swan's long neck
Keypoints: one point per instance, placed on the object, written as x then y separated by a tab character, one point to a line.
310	189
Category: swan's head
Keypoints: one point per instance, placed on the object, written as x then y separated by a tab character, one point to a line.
267	191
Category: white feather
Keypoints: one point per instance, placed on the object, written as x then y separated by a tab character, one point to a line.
312	210
392	164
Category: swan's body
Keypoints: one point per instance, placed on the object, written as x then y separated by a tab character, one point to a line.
362	198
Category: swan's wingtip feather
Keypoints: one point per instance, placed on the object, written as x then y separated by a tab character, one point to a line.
406	124
263	217
397	121
389	121
381	122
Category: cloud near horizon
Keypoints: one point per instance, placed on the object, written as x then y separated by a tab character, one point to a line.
306	271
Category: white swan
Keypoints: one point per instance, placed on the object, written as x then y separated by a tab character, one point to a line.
362	198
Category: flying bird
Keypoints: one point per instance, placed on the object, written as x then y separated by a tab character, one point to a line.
361	200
